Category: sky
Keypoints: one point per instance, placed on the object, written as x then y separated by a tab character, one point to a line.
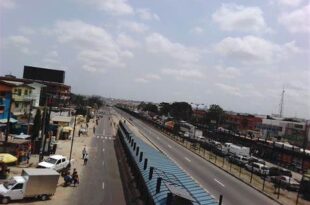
237	54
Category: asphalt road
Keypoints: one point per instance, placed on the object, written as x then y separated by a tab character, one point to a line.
101	183
213	179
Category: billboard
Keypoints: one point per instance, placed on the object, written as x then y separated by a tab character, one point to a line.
44	74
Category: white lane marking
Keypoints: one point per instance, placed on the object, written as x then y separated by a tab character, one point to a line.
110	138
219	182
102	137
97	137
102	185
103	149
106	138
102	163
157	138
187	159
213	196
169	146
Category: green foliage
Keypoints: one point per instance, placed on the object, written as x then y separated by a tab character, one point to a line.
164	108
216	113
148	107
181	111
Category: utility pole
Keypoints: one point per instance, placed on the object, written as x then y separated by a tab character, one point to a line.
29	116
281	103
43	131
72	138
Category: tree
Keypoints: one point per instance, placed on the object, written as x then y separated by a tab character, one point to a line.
216	113
181	111
36	125
164	108
151	107
141	106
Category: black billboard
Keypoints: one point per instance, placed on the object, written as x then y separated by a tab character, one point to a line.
44	74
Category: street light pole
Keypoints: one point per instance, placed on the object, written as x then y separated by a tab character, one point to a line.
72	140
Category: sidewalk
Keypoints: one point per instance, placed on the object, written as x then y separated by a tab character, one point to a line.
63	194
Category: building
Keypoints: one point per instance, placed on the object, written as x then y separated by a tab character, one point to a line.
36	93
242	122
54	93
199	114
294	131
5	98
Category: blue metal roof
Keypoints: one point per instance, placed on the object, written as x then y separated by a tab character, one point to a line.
167	170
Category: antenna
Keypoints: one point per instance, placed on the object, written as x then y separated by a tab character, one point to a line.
281	103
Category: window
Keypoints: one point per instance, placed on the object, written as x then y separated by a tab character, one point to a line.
63	160
30	91
18	186
58	162
26	92
19	92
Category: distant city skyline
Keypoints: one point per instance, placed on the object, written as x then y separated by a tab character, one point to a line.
238	55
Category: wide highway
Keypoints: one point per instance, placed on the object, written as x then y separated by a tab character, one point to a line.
216	181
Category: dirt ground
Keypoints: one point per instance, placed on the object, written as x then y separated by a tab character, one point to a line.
63	194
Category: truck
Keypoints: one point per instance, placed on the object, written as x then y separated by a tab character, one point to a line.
232	149
33	183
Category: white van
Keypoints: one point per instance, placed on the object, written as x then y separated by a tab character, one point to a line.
258	168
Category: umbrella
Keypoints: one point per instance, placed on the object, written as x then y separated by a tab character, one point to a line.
7	158
67	129
4	120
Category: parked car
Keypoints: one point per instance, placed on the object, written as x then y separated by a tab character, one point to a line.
255	159
286	182
56	162
238	159
279	171
257	168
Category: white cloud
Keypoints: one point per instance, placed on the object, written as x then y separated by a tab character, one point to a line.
97	49
157	43
233	90
7	4
288	2
183	73
114	7
147	78
26	30
141	80
126	41
231	17
19	40
297	21
146	14
251	49
153	76
197	30
228	72
134	26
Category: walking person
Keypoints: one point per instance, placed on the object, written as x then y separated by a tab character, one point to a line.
75	177
84	152
85	159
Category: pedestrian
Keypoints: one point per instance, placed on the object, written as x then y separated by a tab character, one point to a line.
84	152
85	159
75	177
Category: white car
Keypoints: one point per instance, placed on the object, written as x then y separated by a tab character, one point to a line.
56	162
